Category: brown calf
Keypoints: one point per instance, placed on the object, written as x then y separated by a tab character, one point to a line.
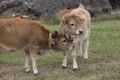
16	33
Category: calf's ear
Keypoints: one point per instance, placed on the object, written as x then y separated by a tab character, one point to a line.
54	34
61	13
65	21
82	20
71	39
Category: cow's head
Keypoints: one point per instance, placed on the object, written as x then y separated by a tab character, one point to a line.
61	42
73	23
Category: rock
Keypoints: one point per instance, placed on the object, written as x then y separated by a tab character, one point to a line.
48	8
115	4
9	4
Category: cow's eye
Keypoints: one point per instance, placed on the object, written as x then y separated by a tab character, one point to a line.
72	24
71	40
64	41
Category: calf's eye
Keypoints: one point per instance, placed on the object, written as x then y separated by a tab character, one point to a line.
64	41
71	40
72	24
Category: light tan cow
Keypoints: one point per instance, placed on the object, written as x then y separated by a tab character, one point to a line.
31	36
76	23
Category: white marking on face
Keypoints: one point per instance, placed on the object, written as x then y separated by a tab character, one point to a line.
72	26
78	32
71	48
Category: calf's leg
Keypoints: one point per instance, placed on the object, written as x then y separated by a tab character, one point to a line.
33	55
75	66
27	56
64	62
86	48
80	48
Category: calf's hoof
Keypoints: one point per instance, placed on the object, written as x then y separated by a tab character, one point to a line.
75	69
27	70
64	67
35	74
85	57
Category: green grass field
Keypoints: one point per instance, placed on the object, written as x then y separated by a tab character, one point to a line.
103	62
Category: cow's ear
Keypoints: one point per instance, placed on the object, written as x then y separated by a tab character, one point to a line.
54	34
64	20
82	20
70	38
61	13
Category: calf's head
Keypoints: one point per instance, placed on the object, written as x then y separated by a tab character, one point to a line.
73	24
61	42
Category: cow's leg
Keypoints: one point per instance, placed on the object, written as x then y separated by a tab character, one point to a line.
27	56
64	63
75	66
86	48
34	57
80	48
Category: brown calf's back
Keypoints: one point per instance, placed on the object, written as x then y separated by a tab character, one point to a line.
18	33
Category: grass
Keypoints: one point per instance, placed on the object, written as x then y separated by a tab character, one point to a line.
105	17
103	62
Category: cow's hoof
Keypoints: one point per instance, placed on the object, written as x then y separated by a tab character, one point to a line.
85	57
75	69
35	74
64	67
27	70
